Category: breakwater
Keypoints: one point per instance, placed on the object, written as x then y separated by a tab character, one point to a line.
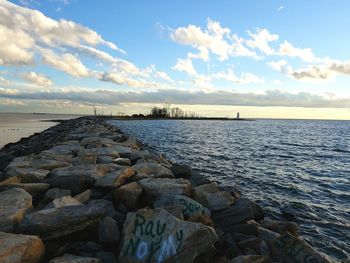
83	191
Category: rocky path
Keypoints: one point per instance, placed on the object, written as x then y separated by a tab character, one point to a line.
84	192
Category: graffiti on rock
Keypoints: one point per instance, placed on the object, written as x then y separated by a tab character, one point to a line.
150	240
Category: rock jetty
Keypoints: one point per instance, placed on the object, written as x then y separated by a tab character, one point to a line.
84	192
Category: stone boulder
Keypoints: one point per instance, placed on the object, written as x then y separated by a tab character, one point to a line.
155	187
129	194
211	197
151	170
27	175
72	149
14	203
100	151
20	248
189	206
115	179
154	235
242	211
288	248
181	171
57	222
67	258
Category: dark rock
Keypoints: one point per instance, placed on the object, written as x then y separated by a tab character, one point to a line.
181	171
129	194
242	211
106	257
75	259
251	259
58	222
108	231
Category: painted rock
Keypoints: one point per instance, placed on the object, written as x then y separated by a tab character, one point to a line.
154	235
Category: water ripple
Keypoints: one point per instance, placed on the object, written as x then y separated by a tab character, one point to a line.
294	169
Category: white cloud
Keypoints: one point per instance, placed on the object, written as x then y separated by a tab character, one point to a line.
121	79
280	8
214	38
305	54
189	97
185	65
261	39
246	78
65	62
15	46
279	65
5	82
37	79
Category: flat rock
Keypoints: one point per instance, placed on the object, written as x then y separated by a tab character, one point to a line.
16	248
14	203
281	227
129	194
211	197
155	187
32	188
67	258
27	175
151	170
189	206
84	196
55	193
65	149
122	161
99	151
57	222
242	211
292	249
116	178
48	164
154	235
63	201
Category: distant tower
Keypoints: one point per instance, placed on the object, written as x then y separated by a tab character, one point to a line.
237	115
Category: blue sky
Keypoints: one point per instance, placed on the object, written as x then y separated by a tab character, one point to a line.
260	57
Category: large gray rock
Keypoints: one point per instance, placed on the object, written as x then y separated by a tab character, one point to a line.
67	258
57	222
14	203
211	197
27	175
154	235
55	193
151	170
189	206
290	249
122	161
116	178
155	187
20	248
242	211
48	164
64	149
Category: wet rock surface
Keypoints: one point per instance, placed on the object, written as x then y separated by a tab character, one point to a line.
84	192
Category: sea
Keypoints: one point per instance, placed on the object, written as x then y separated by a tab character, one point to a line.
14	126
295	169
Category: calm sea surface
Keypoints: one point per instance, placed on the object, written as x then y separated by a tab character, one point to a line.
14	126
298	166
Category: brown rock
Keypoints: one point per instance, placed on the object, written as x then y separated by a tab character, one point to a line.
14	203
128	194
116	178
20	248
252	259
151	170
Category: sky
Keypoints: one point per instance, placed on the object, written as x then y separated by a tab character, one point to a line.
265	59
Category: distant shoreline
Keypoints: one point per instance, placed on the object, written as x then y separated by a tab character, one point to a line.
189	118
